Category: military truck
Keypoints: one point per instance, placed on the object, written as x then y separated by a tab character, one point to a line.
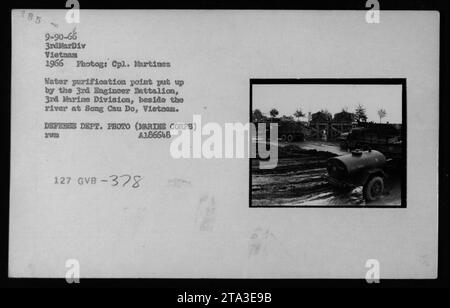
290	131
287	130
381	137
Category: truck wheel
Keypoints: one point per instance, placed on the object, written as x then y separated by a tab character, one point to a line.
373	189
290	138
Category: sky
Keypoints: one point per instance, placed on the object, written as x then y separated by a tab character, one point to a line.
288	98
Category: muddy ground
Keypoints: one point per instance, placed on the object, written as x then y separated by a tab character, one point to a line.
299	180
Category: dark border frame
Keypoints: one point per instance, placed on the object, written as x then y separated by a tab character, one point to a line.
338	81
237	284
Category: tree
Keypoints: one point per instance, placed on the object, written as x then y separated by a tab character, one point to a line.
382	113
299	114
257	115
360	114
274	113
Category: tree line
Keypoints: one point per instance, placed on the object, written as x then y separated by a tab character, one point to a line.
359	115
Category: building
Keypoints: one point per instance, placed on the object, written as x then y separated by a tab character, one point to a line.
322	124
342	123
319	125
344	117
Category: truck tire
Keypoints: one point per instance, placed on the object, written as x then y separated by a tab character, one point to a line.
373	189
290	138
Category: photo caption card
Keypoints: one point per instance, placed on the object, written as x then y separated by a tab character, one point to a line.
224	144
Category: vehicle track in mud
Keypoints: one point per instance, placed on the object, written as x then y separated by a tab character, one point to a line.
300	180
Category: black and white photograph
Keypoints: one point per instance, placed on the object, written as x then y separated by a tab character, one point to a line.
340	142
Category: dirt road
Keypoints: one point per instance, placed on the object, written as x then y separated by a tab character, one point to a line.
332	147
299	180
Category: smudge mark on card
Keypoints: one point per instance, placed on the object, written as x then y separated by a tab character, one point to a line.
259	241
31	268
206	213
178	183
424	260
